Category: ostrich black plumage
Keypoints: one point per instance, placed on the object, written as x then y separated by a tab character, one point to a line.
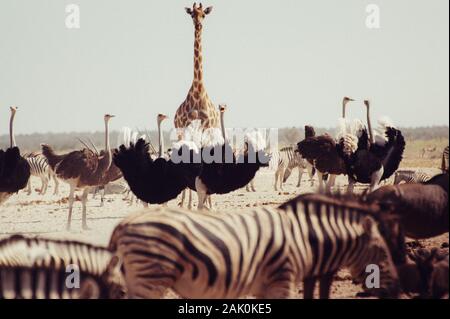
373	162
152	181
229	172
14	169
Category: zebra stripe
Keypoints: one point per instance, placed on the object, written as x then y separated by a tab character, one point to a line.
284	162
262	252
410	177
32	268
39	167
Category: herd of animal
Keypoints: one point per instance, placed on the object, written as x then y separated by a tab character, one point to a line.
264	251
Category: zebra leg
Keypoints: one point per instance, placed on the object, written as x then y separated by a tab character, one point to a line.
44	188
308	288
281	288
71	200
325	286
190	199
84	199
29	186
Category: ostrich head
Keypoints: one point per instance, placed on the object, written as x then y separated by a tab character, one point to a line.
222	108
198	14
160	118
345	101
108	117
13	109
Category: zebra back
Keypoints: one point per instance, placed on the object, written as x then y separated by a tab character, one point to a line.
286	157
201	255
410	177
33	268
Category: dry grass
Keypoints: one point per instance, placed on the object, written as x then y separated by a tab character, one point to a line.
413	153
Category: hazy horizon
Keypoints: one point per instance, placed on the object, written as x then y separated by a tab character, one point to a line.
282	65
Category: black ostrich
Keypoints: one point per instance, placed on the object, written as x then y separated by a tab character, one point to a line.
325	154
229	172
374	162
152	181
423	208
14	169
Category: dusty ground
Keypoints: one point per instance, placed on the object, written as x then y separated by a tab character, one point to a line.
46	215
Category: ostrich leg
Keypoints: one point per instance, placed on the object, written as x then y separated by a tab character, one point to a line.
311	174
56	192
330	182
29	187
183	196
84	199
201	193
190	199
320	176
71	200
351	184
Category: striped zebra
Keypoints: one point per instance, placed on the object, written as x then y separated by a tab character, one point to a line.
410	177
35	268
264	252
39	167
284	162
444	165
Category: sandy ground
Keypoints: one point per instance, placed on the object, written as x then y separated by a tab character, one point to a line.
46	215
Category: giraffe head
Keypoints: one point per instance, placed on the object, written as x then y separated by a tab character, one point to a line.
197	14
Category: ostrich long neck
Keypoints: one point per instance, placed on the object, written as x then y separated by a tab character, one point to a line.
12	139
222	125
198	58
161	140
369	125
107	146
344	104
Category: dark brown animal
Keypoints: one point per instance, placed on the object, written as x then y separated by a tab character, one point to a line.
423	208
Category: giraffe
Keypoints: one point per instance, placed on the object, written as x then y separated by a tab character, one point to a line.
197	98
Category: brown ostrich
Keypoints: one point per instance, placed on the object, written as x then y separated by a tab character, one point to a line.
82	170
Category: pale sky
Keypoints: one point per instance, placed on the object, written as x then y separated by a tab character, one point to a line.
274	63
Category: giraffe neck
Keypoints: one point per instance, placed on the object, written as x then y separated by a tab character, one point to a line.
198	61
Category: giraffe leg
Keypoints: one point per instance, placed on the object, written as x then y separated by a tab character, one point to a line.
71	200
84	199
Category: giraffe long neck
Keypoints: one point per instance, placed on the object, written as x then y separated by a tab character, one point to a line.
198	61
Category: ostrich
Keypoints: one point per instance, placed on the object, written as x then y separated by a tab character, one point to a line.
423	208
229	173
327	156
14	169
152	181
375	161
82	170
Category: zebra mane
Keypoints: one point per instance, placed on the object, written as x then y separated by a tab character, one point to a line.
28	252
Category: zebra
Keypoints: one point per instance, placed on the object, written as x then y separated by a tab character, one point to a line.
444	164
262	252
39	167
284	161
410	177
36	268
